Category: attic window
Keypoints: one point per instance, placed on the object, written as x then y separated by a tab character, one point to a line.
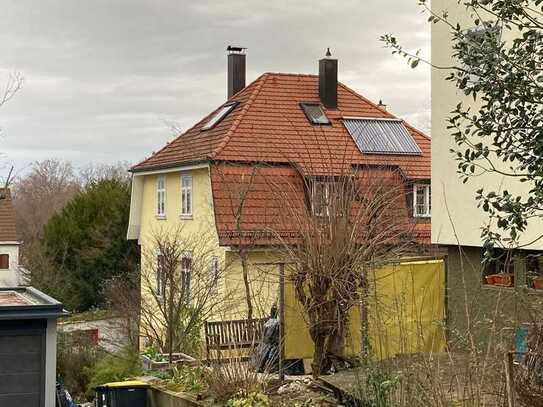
219	115
381	136
314	113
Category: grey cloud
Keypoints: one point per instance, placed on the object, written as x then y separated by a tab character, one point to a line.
102	77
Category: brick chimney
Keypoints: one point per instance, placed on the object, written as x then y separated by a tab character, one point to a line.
328	81
236	69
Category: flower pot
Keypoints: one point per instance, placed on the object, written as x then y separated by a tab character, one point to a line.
490	279
504	280
538	283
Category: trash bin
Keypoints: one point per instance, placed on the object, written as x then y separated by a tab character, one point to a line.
122	394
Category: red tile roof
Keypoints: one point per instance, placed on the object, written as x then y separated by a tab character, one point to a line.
250	203
268	125
8	231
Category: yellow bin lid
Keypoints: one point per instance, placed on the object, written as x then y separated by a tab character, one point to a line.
127	384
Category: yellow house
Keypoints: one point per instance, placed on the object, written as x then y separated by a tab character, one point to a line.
211	180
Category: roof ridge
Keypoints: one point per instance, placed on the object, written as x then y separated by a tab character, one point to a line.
311	75
236	123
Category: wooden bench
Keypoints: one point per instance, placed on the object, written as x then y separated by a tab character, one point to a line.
233	334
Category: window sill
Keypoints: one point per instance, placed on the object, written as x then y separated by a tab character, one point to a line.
160	217
185	217
497	287
534	291
422	216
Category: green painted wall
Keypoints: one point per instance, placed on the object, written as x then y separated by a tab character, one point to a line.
470	303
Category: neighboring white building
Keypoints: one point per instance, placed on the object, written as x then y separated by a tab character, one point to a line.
10	275
500	290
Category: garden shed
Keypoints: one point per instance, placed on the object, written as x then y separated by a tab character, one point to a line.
28	339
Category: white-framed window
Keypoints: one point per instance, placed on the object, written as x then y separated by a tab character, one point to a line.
478	42
214	272
186	195
161	196
320	196
186	275
422	200
160	276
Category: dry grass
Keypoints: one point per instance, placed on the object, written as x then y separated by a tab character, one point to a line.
225	379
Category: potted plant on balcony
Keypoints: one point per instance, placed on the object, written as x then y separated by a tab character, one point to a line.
501	279
537	281
504	279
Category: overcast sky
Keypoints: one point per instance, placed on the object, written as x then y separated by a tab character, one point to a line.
103	78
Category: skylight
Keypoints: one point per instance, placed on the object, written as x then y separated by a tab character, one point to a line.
315	114
381	136
221	114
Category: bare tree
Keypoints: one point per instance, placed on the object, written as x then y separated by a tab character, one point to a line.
180	273
11	87
237	195
346	221
124	298
49	185
97	172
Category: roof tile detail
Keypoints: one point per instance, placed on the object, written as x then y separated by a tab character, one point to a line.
249	203
268	125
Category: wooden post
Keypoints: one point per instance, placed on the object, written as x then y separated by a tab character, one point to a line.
509	381
281	321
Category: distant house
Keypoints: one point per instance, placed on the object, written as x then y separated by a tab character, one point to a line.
280	121
10	271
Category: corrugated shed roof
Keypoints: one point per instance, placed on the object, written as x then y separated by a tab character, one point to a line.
381	136
8	230
269	125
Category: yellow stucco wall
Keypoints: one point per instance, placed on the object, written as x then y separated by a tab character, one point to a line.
449	195
406	309
231	289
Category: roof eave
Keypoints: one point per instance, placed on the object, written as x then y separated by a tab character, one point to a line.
171	167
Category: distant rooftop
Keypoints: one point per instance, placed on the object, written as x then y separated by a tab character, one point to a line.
28	303
13	298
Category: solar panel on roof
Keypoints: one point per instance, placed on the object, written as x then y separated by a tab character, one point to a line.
381	136
221	114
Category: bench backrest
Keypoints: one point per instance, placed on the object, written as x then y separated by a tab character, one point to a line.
233	334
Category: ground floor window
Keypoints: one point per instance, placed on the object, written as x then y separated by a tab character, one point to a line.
534	270
499	268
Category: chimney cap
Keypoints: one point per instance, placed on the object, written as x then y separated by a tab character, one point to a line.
328	53
232	49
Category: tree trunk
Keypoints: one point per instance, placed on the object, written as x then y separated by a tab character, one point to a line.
171	323
319	356
244	267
